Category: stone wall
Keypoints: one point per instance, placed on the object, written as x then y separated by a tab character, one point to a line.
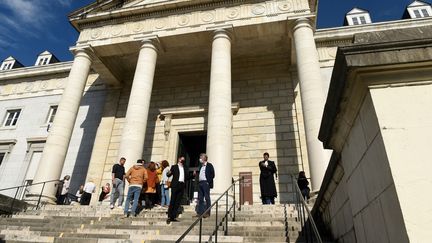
266	121
360	202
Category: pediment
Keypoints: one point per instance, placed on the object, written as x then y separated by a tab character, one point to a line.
137	3
357	11
418	3
100	7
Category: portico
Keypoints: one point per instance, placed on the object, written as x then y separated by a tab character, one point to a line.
195	60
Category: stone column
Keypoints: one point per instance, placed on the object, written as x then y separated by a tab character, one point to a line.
312	96
219	133
133	134
54	154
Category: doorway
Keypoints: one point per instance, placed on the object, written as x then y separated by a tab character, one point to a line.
191	145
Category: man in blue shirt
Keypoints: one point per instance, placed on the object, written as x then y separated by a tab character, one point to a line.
206	175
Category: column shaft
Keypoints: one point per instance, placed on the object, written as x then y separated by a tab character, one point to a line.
312	96
54	154
219	133
133	135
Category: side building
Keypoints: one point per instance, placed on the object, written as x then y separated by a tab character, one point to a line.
29	98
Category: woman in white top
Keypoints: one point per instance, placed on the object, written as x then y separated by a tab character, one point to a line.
89	188
165	184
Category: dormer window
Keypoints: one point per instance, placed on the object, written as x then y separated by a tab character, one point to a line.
418	9
45	58
10	63
357	16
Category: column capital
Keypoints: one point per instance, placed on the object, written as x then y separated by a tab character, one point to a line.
300	23
223	31
85	51
152	42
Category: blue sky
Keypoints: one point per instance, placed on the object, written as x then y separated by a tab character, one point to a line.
28	27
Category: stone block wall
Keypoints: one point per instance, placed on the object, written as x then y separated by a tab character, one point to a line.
361	204
266	121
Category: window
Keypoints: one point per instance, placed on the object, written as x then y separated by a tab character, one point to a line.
51	114
43	61
7	66
417	13
424	12
11	118
362	20
355	20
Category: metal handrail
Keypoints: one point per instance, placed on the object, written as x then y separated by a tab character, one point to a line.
224	219
303	209
25	187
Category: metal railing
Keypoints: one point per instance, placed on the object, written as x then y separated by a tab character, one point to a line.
21	191
309	229
224	220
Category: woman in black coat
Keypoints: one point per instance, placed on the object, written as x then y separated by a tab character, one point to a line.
267	183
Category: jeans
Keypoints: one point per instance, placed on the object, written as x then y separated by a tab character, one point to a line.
117	192
203	193
165	196
267	200
134	191
305	192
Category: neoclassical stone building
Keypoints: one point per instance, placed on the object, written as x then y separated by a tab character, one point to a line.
154	79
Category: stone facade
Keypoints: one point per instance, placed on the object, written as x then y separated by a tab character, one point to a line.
379	136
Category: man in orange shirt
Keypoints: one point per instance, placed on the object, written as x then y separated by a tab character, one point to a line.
136	176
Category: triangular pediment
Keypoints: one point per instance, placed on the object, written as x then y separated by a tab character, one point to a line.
418	3
136	3
357	11
101	10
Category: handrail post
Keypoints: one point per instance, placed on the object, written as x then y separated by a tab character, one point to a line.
216	232
200	231
234	201
226	215
40	195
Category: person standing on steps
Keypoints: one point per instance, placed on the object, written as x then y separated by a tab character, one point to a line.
136	176
165	184
303	184
206	174
267	183
118	185
177	188
89	189
64	190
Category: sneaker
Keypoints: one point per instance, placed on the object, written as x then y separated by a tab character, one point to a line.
111	206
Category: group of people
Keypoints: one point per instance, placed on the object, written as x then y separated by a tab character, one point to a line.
152	183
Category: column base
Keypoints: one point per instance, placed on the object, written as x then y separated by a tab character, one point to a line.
33	199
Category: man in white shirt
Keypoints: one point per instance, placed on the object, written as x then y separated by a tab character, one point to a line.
89	188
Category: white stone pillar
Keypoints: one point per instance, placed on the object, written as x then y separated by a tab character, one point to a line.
219	133
133	134
54	153
312	96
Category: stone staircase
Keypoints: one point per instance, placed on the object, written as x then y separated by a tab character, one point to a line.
257	223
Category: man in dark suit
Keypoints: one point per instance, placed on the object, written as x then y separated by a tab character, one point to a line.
267	183
177	188
206	175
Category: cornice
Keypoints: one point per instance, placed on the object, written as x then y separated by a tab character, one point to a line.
33	71
346	33
139	13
